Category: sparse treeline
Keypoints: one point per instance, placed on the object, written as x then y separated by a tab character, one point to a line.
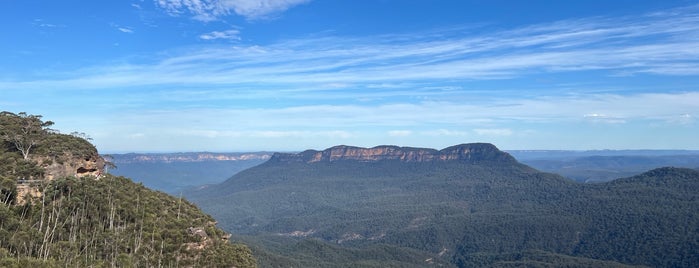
112	222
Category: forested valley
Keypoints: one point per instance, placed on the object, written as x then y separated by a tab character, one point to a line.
468	205
482	210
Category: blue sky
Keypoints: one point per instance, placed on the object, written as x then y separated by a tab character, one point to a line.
286	75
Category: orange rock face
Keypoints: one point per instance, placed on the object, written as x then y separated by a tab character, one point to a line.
78	167
473	152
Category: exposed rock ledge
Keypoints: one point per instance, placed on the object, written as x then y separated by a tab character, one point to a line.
68	165
472	152
92	165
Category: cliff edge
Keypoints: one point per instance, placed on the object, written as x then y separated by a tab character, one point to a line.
470	152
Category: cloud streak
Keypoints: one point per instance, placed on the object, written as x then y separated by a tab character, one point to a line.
440	123
210	10
124	30
232	34
630	46
408	119
447	84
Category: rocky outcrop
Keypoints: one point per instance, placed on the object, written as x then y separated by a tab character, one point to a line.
472	152
64	166
73	166
202	237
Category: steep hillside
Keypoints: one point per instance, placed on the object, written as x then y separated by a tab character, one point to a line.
112	222
59	209
469	205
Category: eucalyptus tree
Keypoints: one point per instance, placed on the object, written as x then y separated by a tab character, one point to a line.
23	131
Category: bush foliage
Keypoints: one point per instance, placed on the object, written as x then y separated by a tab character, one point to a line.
95	222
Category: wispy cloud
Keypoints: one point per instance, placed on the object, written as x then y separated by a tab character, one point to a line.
125	30
400	133
157	124
630	46
602	118
445	133
232	34
120	28
447	118
44	24
493	131
209	10
428	84
273	134
682	119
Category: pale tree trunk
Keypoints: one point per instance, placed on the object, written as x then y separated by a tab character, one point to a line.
23	147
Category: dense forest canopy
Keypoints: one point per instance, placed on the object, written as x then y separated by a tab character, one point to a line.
474	213
57	212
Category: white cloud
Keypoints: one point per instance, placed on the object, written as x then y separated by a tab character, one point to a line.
683	119
400	133
267	134
335	85
438	123
595	115
260	8
298	134
625	108
493	131
603	118
124	30
209	10
232	34
137	135
42	23
445	132
120	28
399	64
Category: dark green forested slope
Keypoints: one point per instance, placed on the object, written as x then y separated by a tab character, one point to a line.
57	209
651	219
112	221
485	211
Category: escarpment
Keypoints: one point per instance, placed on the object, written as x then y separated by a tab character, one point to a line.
471	152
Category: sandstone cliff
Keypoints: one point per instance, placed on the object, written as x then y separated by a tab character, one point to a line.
73	166
66	166
472	153
186	157
60	156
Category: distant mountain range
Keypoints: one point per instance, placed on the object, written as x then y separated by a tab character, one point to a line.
606	165
177	172
469	205
186	157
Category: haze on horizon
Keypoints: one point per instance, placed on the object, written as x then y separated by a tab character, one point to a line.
289	75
